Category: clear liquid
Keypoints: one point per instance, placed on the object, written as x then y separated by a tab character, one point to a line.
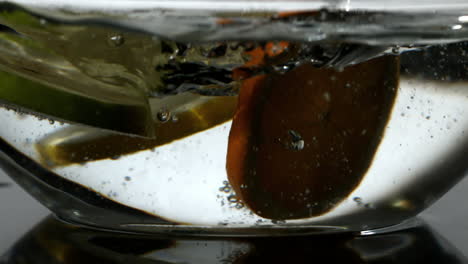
188	91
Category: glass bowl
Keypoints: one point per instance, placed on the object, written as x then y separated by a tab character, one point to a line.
234	118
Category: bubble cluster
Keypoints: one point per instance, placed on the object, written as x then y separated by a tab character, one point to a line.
232	199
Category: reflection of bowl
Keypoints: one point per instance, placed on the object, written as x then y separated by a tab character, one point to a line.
238	134
55	242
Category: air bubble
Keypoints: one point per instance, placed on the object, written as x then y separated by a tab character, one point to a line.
259	221
282	68
225	189
163	115
297	141
232	199
51	121
116	40
239	205
278	222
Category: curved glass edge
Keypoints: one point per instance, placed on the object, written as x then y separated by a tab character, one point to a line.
246	5
380	27
51	241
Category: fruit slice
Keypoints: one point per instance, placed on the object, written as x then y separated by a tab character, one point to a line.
57	88
107	65
45	101
301	142
185	114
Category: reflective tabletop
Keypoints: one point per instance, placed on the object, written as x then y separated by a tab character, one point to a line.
439	236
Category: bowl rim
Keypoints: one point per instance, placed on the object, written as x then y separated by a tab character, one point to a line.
248	6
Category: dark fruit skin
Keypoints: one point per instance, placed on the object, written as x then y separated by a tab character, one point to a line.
301	142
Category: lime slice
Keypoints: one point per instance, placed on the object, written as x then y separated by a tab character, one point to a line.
45	101
71	75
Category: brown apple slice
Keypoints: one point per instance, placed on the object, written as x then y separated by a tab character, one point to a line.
301	142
